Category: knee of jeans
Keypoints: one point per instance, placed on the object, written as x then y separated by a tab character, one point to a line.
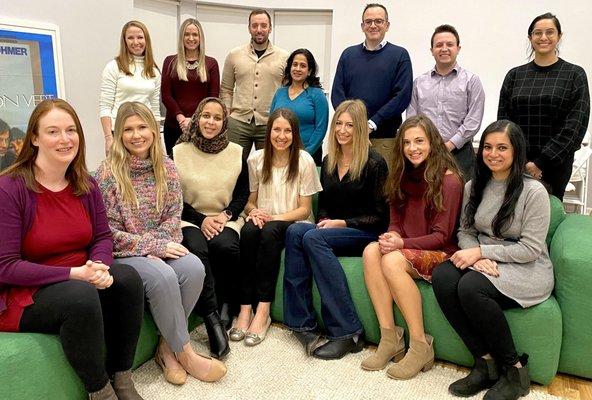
313	237
295	232
195	270
468	291
161	281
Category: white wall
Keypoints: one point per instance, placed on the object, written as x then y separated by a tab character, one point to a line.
89	33
493	38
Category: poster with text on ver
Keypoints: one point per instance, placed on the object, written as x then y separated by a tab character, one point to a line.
30	71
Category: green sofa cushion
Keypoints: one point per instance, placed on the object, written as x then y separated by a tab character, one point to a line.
571	253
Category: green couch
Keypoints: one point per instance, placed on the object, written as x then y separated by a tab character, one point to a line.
556	333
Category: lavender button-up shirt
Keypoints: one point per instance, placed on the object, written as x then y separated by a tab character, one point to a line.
453	102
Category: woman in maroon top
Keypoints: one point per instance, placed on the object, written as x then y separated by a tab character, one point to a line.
425	194
188	77
56	265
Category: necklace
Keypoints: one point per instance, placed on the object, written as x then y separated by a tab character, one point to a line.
191	65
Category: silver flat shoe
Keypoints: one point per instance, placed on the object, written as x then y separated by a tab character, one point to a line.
253	339
236	334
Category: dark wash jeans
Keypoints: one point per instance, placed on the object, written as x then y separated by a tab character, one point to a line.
312	253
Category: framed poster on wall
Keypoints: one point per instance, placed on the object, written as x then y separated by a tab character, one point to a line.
30	71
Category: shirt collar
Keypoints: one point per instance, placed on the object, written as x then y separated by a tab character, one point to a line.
380	45
456	69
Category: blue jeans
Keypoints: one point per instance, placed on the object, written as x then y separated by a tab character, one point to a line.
312	253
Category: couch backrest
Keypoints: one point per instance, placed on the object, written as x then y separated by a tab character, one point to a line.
557	217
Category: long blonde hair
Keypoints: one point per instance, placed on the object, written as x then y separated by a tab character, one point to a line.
360	141
118	160
180	69
125	58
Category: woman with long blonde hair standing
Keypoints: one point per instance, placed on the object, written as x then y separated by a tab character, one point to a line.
131	76
188	77
143	198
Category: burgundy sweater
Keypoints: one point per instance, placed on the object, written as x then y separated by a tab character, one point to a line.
17	212
182	97
419	225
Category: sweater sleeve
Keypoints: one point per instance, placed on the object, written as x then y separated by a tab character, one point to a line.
155	97
240	193
322	212
338	90
169	229
394	220
444	223
166	89
108	88
14	270
467	237
125	244
570	135
227	84
528	247
191	215
376	217
503	108
101	248
401	90
321	112
214	79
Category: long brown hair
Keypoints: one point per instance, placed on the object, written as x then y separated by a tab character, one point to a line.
118	160
437	163
294	147
24	166
360	142
125	58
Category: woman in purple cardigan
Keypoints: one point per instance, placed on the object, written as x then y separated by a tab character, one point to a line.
57	274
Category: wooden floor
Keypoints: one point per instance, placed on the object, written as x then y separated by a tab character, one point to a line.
564	386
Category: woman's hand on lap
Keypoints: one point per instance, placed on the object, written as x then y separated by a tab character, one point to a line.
466	257
175	250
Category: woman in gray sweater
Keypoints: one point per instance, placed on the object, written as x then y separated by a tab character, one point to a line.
503	263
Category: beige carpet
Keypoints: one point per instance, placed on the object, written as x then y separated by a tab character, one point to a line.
279	369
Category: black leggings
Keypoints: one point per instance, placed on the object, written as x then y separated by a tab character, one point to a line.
261	251
220	257
474	308
89	321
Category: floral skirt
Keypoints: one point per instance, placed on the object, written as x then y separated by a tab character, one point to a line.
424	261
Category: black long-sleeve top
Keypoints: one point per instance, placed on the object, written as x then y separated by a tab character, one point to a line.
361	203
552	106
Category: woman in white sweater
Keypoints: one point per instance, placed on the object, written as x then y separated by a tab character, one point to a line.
131	76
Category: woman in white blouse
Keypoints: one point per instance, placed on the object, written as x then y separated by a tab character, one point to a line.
131	76
282	180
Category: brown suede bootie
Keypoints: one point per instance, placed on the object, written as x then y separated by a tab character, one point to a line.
419	357
106	393
390	347
124	388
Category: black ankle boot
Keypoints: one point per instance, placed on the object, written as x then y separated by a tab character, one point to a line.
335	349
483	376
217	335
225	316
513	383
308	339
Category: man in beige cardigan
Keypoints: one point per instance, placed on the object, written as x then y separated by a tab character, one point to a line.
252	73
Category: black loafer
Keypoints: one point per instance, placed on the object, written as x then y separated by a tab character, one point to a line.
309	339
217	335
337	348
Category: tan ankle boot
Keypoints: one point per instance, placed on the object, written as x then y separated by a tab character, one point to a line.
390	347
419	357
106	393
124	386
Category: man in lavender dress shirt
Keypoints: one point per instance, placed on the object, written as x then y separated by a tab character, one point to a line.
452	97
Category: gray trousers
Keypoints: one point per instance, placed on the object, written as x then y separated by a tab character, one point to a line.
246	135
172	288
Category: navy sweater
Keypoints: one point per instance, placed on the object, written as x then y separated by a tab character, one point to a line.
382	79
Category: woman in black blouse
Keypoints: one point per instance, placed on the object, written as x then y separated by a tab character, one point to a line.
549	99
352	212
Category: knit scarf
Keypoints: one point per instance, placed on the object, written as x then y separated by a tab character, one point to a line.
194	135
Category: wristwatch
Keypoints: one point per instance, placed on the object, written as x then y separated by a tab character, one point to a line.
228	214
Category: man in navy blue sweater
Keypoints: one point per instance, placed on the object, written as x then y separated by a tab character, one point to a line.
379	73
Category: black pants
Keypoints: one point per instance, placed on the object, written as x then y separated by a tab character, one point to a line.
261	251
89	321
220	257
171	134
557	177
474	308
465	159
